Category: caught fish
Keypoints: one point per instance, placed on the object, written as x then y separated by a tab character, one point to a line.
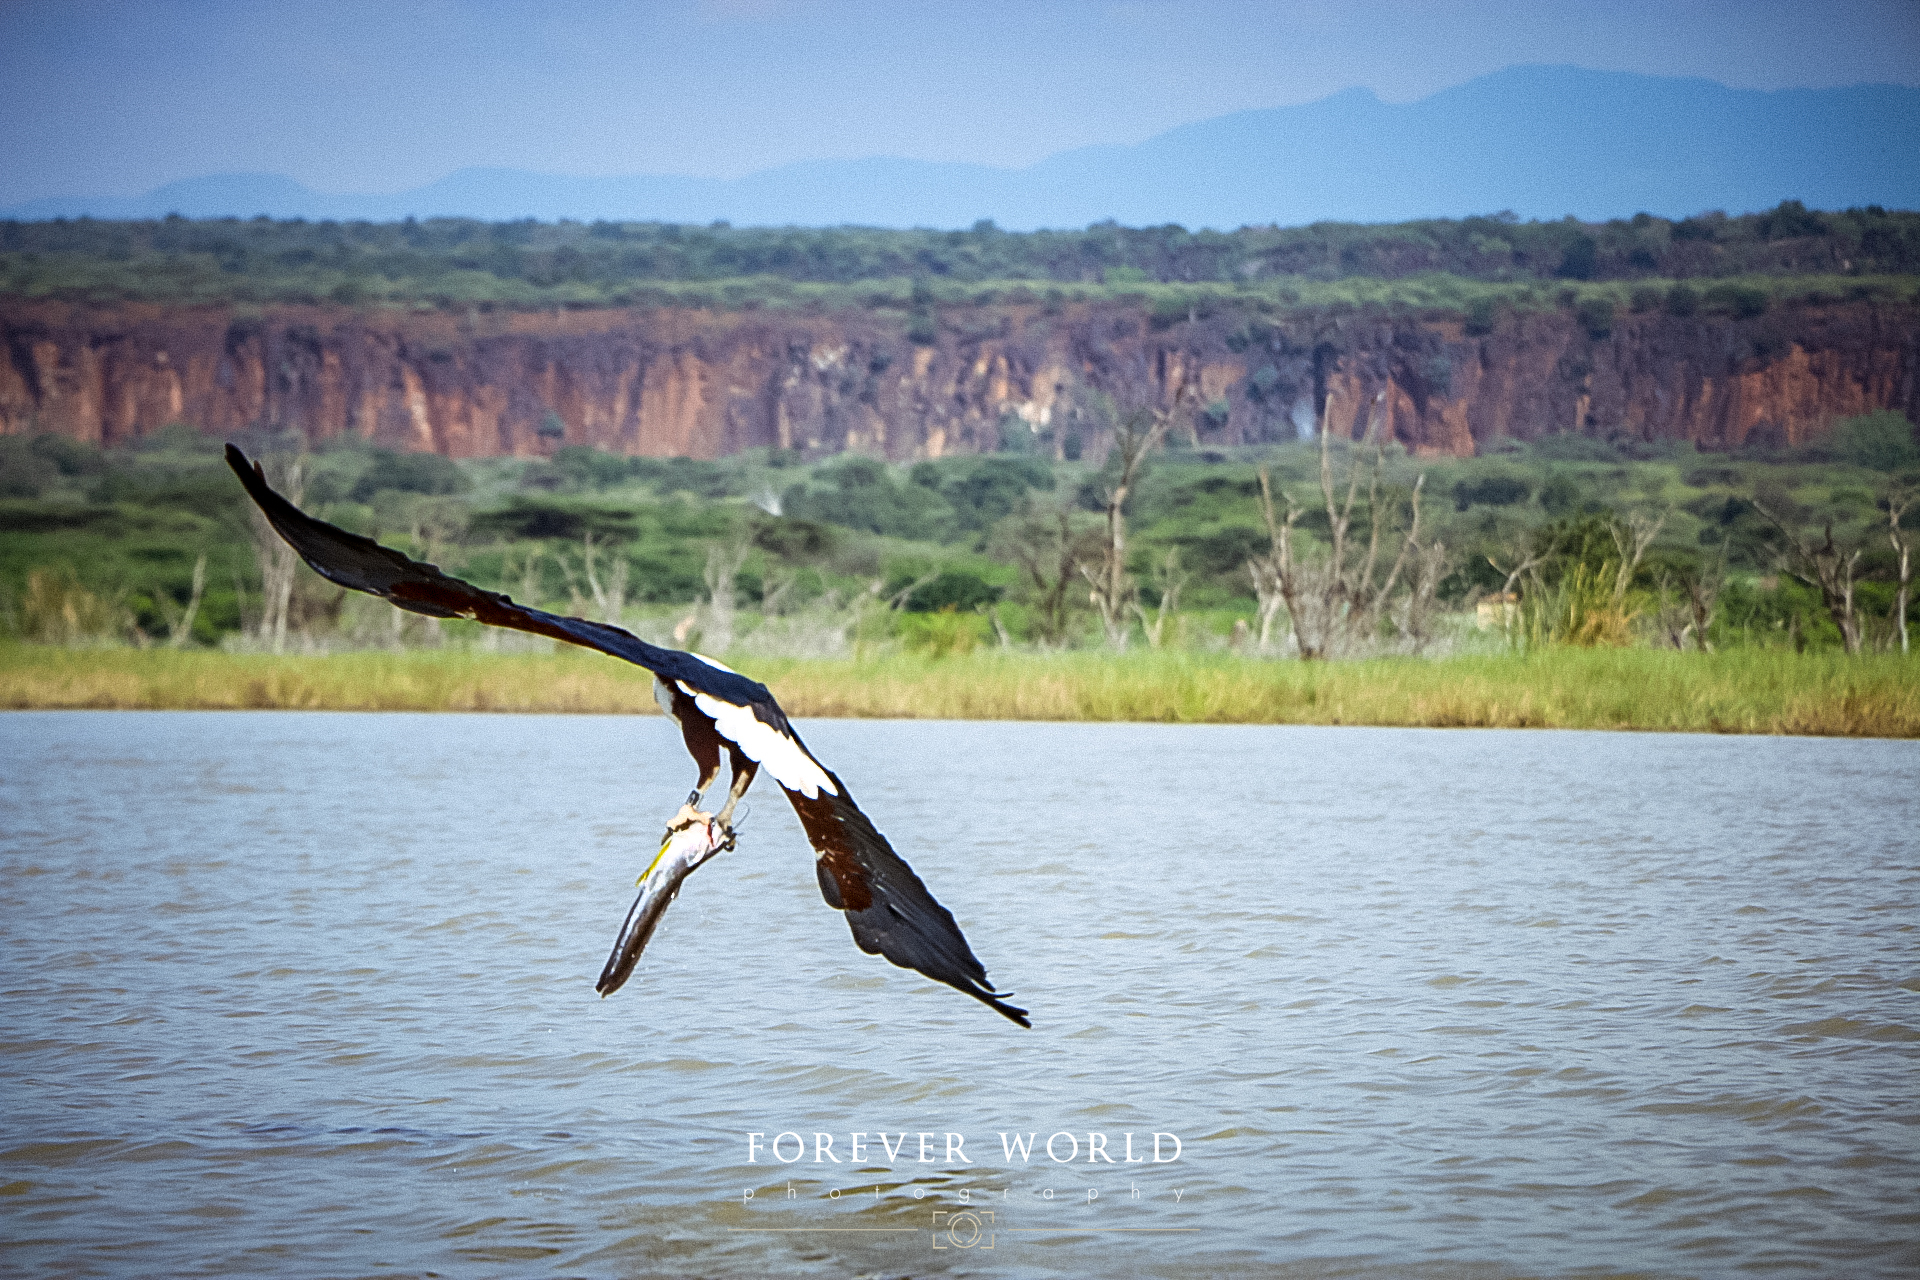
692	838
724	717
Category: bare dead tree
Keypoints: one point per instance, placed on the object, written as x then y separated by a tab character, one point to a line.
248	623
1897	503
397	628
723	565
608	585
1827	567
775	586
1429	566
1333	586
530	591
1427	559
277	560
999	627
1275	578
1527	563
1042	543
1169	579
1673	612
1527	566
180	623
1113	589
1703	593
1337	601
579	594
1267	600
898	600
1632	536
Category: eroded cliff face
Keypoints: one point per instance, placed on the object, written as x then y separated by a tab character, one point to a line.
707	384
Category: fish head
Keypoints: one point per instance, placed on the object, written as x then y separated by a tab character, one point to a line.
690	835
691	838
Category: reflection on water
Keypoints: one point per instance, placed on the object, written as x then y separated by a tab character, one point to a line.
313	994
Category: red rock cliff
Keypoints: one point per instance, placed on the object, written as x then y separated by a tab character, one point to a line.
706	384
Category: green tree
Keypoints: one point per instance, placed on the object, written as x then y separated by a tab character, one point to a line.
428	473
1882	441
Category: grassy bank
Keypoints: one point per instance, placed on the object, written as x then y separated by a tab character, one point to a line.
1743	691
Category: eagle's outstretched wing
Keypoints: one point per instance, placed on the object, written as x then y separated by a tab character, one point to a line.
889	909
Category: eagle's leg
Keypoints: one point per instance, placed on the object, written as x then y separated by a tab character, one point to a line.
743	772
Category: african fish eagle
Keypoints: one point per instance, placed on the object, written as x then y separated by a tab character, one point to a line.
719	712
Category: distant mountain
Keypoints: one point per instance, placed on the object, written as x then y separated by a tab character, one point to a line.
1541	141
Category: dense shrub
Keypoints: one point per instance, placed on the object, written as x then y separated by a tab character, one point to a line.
1645	298
23	472
428	473
860	493
983	491
696	476
528	517
1560	495
589	468
796	540
1595	316
1788	220
459	262
70	457
1482	315
1490	491
1880	441
1566	447
1743	301
952	589
1579	259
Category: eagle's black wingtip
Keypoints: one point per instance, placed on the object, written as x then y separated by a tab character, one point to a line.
246	468
995	1001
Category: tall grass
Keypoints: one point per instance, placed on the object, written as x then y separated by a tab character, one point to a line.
1584	609
1742	691
56	609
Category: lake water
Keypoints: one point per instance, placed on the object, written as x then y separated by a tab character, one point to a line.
312	994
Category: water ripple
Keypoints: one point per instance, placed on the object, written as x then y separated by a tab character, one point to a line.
312	995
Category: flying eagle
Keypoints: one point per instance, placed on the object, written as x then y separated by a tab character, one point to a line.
720	712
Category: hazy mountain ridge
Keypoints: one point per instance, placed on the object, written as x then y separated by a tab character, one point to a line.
1541	141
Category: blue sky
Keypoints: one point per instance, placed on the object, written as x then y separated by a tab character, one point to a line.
116	98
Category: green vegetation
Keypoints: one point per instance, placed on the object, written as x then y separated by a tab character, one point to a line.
768	556
1748	691
1875	442
1473	266
959	585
